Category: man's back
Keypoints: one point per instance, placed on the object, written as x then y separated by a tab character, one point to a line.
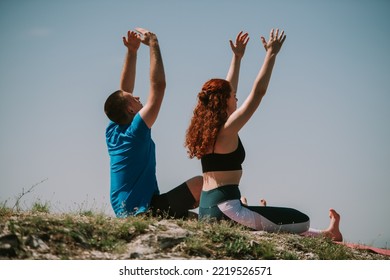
133	167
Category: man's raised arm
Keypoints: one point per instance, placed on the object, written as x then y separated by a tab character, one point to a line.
151	109
132	42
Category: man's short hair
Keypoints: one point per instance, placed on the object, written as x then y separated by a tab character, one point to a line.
115	107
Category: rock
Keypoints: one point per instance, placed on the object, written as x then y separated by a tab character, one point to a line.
10	245
172	236
162	236
36	243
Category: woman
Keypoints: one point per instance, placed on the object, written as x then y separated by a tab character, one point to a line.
212	137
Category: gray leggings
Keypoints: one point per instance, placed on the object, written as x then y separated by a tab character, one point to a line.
224	203
271	219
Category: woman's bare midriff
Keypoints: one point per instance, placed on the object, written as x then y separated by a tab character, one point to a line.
215	179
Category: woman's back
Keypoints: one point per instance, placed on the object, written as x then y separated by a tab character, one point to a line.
221	166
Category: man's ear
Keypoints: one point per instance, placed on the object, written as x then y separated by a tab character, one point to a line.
130	110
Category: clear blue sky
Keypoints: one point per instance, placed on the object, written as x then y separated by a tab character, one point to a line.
320	138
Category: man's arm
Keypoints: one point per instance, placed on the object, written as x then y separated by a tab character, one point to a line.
238	52
132	42
152	107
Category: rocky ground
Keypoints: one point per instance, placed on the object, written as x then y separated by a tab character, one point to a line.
27	235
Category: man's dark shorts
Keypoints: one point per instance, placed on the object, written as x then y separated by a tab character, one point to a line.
173	204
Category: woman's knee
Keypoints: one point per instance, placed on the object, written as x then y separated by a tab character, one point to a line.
195	185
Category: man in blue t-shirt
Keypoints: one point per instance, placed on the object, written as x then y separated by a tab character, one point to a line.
134	188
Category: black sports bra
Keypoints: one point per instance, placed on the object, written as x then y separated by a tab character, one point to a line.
224	162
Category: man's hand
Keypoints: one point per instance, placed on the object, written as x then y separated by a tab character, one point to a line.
133	41
147	37
241	41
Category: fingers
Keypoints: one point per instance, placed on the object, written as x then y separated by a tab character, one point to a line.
242	38
284	38
145	36
238	36
245	38
275	42
238	47
281	35
280	38
132	34
264	42
143	31
132	40
271	34
274	35
231	44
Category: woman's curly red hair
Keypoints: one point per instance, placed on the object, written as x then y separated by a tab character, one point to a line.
208	117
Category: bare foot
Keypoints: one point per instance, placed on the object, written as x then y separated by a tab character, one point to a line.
244	201
333	231
263	202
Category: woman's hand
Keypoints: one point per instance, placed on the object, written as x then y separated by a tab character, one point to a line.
239	47
275	41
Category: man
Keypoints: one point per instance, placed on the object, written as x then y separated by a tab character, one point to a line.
134	188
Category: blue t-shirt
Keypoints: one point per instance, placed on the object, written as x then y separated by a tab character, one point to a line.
133	167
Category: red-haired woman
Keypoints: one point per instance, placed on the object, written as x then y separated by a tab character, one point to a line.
212	137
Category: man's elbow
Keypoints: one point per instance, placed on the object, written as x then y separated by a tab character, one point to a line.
159	85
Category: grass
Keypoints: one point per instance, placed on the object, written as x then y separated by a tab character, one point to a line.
67	234
225	240
40	207
76	235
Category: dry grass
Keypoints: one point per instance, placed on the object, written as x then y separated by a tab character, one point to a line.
88	235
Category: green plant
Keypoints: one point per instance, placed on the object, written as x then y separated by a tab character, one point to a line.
4	210
40	207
